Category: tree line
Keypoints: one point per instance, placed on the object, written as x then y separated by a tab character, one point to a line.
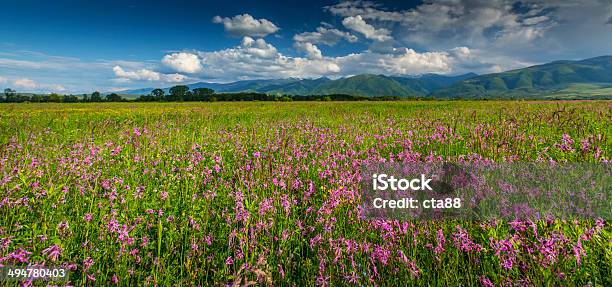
182	93
11	96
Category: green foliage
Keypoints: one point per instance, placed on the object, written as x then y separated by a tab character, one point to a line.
112	97
95	97
14	97
177	93
158	94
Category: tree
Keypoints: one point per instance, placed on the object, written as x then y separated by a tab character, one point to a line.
55	98
158	94
113	98
71	99
9	95
36	98
95	97
177	93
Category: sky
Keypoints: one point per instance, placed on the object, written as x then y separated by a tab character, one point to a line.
82	46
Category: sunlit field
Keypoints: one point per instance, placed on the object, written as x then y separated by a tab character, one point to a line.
265	193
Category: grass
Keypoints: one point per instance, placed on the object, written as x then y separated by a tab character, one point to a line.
199	194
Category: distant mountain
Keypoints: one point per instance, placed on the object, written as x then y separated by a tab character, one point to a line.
428	83
363	85
573	79
301	87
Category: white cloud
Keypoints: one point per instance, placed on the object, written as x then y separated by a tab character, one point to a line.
327	36
142	74
146	75
465	60
311	51
29	64
30	85
461	52
258	48
55	87
117	89
3	80
25	84
174	78
246	25
257	59
523	35
402	62
183	62
356	23
368	9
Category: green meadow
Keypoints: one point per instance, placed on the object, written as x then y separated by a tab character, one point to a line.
266	193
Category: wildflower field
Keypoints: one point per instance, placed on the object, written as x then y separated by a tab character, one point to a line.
264	193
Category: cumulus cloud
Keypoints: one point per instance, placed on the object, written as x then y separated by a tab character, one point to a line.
146	75
311	51
357	24
246	25
183	62
325	35
257	59
3	80
258	48
31	85
461	52
402	62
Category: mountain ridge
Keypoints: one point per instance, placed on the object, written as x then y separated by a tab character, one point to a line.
362	85
554	79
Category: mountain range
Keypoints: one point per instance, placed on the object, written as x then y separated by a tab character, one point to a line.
570	79
590	78
362	85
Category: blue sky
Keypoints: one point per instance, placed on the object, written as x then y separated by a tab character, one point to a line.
81	46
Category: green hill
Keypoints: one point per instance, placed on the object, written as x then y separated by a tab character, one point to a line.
579	79
365	85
